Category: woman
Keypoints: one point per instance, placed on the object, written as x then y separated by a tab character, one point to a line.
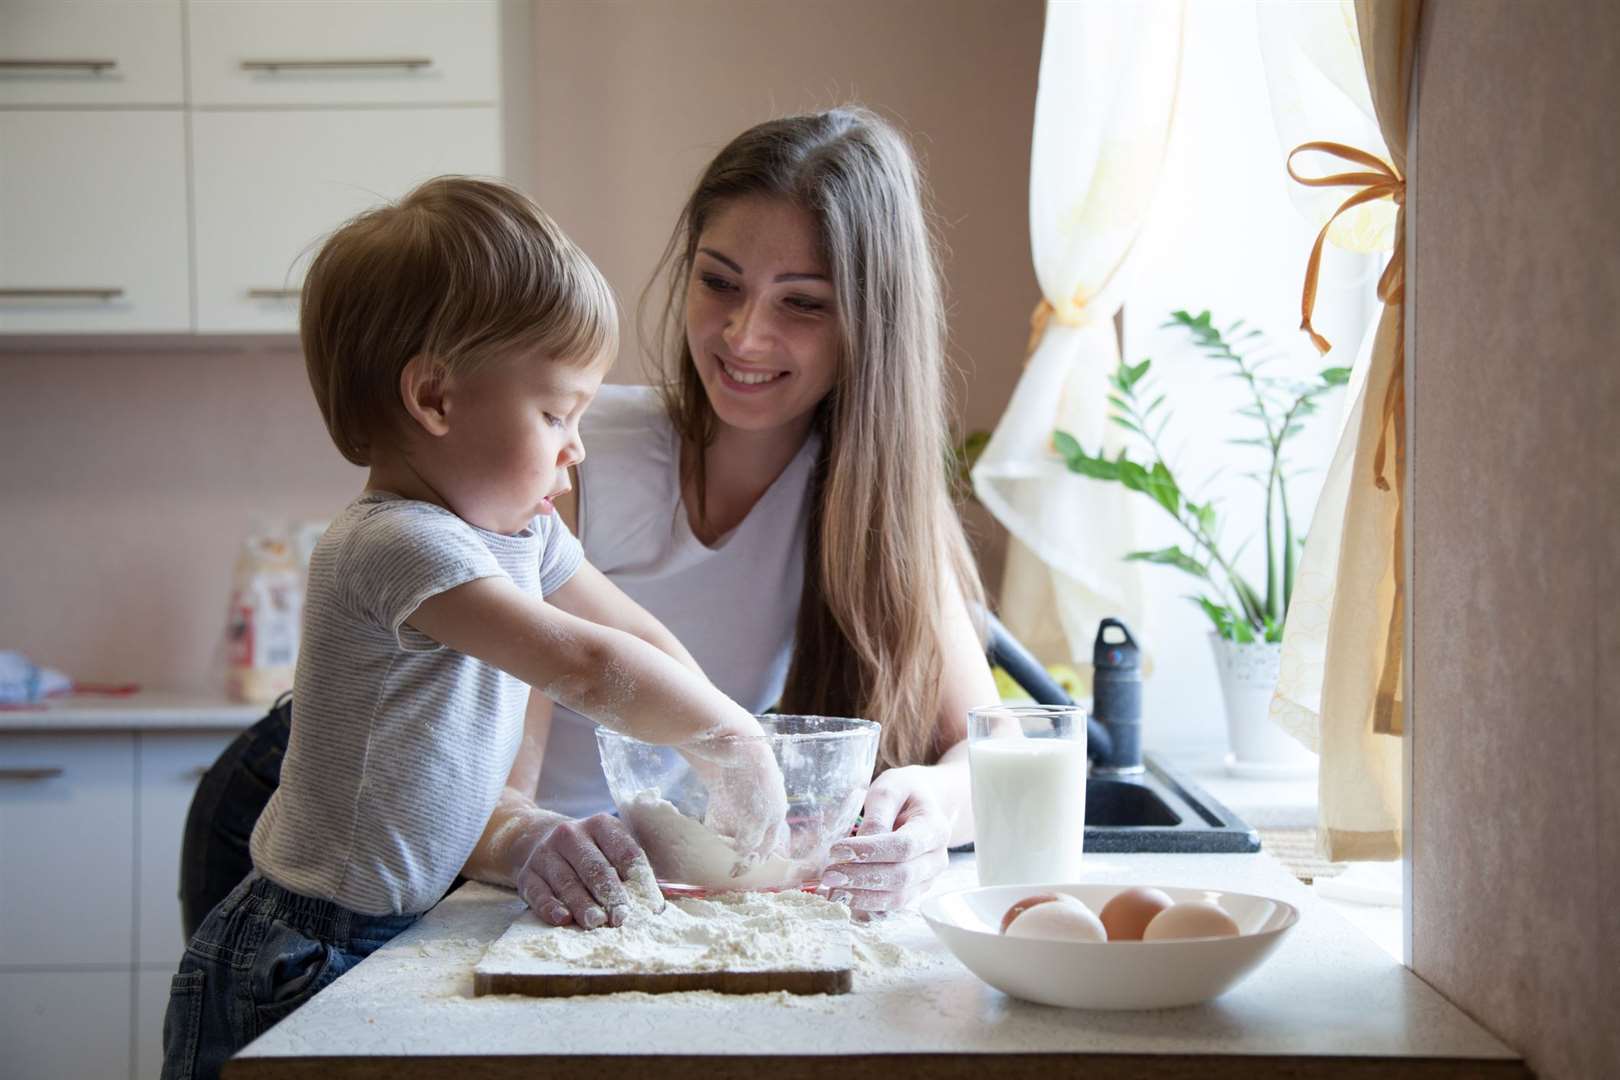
780	505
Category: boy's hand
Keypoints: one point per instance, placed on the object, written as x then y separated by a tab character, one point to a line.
747	798
577	872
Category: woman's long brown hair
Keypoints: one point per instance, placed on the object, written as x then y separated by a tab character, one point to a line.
884	538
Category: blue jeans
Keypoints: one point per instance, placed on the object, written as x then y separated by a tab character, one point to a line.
259	955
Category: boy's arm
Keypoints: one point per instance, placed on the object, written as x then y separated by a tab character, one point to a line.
590	595
604	673
565	870
625	684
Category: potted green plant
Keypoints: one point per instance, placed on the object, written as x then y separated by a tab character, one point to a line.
1247	618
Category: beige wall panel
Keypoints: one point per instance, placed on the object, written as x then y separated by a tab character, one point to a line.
635	98
1516	476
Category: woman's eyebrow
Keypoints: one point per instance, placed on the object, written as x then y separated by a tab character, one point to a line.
717	257
736	268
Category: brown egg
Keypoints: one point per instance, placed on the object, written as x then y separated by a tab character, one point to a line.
1060	918
1190	919
1128	913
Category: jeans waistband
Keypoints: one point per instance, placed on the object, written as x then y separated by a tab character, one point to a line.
326	919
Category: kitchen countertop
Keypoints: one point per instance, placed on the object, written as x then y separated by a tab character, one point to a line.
1328	1003
165	710
1287	803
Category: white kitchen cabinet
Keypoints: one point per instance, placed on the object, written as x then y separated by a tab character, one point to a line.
67	843
343	52
271	184
151	1002
170	764
111	52
93	229
60	1024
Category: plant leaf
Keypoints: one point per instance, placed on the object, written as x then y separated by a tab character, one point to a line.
1171	556
1162	486
1131	474
1335	376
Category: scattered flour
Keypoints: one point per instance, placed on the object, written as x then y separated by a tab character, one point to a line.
739	931
684	852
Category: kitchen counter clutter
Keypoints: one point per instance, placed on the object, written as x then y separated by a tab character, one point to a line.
1328	1003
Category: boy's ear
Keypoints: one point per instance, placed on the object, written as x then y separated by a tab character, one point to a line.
423	390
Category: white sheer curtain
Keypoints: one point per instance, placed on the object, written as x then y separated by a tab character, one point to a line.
1339	76
1103	113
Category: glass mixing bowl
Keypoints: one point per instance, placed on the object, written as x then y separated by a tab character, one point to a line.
826	764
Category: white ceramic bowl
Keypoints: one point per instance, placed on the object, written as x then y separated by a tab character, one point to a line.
1112	974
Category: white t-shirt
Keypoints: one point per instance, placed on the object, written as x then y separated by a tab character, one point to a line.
399	746
734	605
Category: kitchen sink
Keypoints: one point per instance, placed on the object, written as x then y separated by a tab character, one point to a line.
1159	810
1162	810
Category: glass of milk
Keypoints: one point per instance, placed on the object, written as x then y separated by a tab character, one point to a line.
1028	765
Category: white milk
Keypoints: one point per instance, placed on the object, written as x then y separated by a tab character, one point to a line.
1029	809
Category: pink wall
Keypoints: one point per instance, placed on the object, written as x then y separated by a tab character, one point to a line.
129	480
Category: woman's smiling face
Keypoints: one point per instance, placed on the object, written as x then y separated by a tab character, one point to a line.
761	317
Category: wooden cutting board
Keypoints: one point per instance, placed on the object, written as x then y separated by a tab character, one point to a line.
506	969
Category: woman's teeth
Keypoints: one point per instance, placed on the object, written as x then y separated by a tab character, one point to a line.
750	378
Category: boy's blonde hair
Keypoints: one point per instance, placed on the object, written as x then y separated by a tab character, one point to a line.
461	271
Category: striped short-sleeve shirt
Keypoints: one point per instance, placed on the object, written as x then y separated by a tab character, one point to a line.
399	746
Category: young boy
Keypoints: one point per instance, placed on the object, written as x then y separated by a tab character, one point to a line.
453	341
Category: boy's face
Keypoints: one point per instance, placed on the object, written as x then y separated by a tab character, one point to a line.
513	433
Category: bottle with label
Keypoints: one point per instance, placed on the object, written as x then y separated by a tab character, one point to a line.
266	612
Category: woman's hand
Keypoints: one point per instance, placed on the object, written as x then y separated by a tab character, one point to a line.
899	848
575	870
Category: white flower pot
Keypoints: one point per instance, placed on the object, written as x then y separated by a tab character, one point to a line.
1260	749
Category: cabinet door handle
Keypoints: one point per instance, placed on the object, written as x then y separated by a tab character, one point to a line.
97	66
273	294
86	293
39	772
410	63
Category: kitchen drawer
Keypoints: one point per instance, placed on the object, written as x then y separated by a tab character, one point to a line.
134	50
60	1024
93	212
271	184
170	765
67	849
343	52
151	1002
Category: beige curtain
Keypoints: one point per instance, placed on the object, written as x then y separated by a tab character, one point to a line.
1108	84
1342	686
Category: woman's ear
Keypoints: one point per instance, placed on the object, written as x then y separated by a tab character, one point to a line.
423	390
